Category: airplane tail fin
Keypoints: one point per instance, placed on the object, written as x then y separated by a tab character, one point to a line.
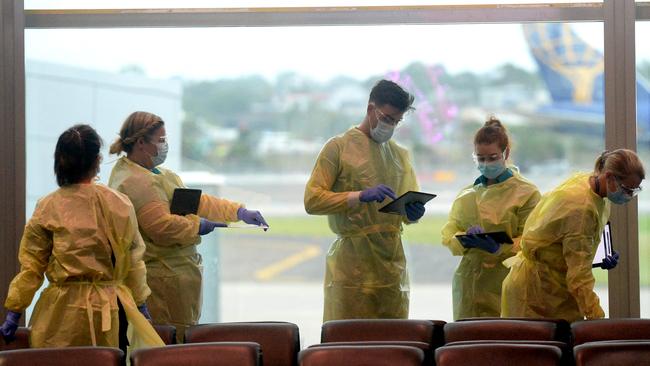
571	68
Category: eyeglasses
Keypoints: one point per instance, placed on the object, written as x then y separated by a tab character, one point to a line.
387	119
628	190
162	139
487	158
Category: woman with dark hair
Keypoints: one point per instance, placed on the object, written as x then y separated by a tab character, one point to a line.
500	199
84	237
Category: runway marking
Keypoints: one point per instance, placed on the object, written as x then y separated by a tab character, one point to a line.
274	269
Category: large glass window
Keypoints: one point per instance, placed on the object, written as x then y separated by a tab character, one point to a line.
247	112
148	4
643	146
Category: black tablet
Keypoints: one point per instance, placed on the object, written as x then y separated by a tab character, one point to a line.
605	247
185	201
398	206
500	237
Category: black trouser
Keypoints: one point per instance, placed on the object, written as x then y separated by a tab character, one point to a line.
124	323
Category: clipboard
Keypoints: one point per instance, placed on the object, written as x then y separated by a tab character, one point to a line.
185	201
605	247
500	237
398	206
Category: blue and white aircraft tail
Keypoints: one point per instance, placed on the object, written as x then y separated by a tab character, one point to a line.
574	75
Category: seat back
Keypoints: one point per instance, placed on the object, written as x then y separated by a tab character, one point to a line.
498	354
95	356
166	332
500	329
566	358
562	326
361	355
353	330
280	341
21	341
609	330
200	354
618	353
425	347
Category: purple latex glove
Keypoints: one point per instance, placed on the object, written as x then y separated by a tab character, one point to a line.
610	261
9	327
251	217
377	193
476	229
414	210
206	226
144	311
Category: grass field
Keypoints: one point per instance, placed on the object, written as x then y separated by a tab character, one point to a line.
427	232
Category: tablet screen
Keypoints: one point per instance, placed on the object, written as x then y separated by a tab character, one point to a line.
398	206
604	247
185	201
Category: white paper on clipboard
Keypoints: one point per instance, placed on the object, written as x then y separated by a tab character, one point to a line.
605	247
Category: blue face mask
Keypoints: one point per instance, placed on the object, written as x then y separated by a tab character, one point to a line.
162	148
618	197
493	169
382	132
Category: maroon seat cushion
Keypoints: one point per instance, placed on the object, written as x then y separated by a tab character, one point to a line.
279	341
361	355
199	354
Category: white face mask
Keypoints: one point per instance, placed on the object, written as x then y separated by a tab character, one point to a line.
163	148
382	132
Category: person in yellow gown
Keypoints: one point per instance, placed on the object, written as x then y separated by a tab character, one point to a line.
84	237
552	275
499	200
173	263
366	275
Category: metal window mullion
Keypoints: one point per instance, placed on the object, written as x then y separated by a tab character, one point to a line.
138	18
620	132
12	146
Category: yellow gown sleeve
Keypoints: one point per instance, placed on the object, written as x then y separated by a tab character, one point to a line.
136	278
578	250
409	183
319	197
218	209
451	229
34	254
163	228
523	213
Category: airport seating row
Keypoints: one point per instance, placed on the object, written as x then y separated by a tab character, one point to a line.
485	341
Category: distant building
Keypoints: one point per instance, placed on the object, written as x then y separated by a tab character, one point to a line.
59	96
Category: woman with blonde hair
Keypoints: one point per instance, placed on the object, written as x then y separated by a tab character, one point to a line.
173	263
552	275
500	199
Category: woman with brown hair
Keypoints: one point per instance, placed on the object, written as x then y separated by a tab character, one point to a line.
500	199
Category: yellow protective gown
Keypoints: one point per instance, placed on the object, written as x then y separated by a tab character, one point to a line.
365	275
503	206
173	264
552	276
74	236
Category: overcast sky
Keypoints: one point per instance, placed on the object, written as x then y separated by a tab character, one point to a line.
318	52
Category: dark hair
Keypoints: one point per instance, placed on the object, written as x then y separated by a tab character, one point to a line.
388	92
76	155
491	132
137	124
